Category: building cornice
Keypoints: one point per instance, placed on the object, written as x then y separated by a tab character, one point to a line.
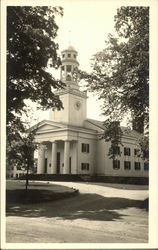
73	92
66	129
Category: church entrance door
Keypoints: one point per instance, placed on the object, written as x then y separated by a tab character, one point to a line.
58	162
45	166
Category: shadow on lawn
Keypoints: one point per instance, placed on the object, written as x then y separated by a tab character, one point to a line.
84	206
20	196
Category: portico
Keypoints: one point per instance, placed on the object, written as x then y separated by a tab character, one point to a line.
57	157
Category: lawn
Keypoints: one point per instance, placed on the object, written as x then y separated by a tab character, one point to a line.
37	192
102	214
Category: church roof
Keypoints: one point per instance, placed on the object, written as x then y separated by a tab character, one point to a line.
96	123
125	130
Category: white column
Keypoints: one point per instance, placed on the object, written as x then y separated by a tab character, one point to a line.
41	159
72	69
76	155
66	156
54	158
14	171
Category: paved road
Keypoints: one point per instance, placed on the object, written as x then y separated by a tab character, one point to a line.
99	214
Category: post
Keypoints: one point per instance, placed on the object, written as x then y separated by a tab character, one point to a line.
76	149
41	159
54	158
66	156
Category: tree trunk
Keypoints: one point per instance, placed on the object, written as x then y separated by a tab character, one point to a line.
27	178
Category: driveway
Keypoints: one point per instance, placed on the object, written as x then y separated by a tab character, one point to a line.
101	213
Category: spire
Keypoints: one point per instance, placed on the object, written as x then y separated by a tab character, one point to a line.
69	38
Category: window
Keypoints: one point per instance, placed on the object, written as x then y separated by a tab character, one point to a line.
68	68
69	55
68	77
63	55
137	165
127	165
116	150
136	151
74	56
116	164
85	166
146	166
127	151
85	148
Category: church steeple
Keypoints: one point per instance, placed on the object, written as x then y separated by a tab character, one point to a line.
74	100
69	67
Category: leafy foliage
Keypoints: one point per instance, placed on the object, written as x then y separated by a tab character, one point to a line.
30	44
120	73
30	48
113	134
144	145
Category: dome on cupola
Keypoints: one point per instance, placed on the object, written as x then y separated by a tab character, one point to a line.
70	48
69	55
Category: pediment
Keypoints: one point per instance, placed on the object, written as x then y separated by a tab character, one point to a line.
48	126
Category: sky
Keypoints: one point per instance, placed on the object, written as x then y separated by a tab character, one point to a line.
89	23
85	25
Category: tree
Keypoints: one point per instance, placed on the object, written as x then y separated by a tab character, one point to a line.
21	145
120	73
27	148
23	153
31	32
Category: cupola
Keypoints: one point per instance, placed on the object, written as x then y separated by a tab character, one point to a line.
69	65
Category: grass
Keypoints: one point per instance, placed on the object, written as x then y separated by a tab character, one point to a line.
36	193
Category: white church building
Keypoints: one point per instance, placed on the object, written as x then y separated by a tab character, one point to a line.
69	142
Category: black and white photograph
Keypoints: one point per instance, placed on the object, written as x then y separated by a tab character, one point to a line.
79	127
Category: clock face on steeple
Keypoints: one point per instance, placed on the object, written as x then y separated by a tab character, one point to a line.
77	105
